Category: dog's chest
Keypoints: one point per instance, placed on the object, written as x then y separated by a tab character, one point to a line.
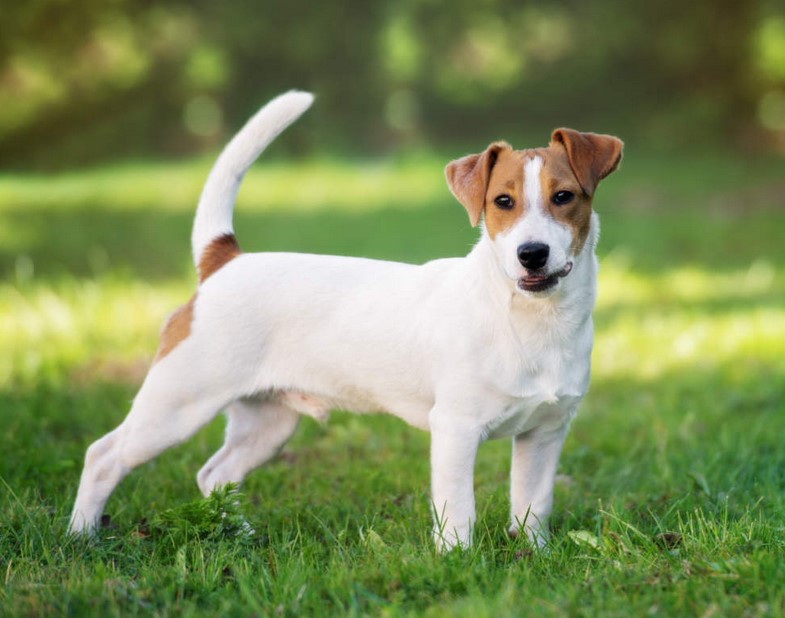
541	410
545	386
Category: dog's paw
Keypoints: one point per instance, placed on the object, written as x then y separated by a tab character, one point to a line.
80	528
448	541
538	537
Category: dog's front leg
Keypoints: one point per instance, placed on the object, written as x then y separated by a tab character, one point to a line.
535	455
453	451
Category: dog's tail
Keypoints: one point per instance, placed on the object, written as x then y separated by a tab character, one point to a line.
213	238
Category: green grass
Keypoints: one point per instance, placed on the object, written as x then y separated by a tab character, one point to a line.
671	495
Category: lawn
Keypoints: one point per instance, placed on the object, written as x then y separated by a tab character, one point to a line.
670	498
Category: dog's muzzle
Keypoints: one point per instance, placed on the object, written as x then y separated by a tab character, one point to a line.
539	282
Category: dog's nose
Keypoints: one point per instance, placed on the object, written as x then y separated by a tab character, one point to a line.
533	255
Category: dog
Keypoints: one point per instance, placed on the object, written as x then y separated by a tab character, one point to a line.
494	344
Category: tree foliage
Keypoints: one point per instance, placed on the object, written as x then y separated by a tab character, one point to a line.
82	79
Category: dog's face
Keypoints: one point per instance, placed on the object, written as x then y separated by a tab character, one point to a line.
537	203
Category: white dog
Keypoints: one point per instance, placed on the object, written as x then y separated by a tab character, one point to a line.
493	344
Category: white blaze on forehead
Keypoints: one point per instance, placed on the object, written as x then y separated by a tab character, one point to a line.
536	225
532	187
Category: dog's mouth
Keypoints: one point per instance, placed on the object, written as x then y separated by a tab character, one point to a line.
539	282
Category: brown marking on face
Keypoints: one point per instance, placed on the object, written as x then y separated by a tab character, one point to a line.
557	175
178	325
573	159
468	178
506	179
220	251
591	156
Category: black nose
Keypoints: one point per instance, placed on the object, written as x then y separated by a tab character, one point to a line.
533	255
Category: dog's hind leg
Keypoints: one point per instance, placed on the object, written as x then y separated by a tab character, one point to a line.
177	398
256	430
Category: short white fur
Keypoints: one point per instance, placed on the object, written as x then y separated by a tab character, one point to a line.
450	346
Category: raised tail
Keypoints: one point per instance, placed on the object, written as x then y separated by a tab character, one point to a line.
213	234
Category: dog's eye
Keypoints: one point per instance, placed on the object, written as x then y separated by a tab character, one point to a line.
504	202
562	197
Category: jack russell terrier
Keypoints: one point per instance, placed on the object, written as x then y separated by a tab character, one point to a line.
497	343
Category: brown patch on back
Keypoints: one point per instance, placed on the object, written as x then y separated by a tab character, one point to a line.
178	325
220	251
176	328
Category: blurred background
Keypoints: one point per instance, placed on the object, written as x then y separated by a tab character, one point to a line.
86	81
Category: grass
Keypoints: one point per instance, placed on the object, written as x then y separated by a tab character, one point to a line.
671	494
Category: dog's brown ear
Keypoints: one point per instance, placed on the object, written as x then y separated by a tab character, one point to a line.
592	157
468	178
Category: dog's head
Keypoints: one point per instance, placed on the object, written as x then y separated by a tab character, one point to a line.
537	203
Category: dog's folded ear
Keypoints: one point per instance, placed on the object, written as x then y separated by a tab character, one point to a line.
592	157
468	178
